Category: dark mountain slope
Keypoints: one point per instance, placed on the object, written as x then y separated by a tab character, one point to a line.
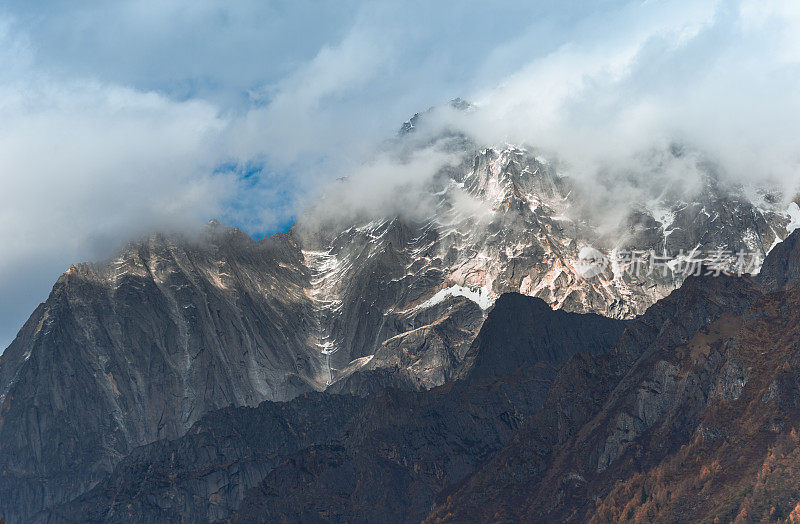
390	452
405	447
407	455
204	474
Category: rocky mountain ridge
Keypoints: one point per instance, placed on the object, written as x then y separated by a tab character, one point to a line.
687	412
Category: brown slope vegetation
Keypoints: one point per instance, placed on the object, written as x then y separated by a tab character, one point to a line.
742	462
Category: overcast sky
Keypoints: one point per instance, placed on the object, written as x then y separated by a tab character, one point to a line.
118	118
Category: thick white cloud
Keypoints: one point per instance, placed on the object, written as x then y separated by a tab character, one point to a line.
718	77
84	166
88	160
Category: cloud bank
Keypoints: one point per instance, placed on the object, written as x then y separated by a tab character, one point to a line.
121	118
716	77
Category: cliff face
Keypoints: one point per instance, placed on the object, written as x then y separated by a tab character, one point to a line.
138	348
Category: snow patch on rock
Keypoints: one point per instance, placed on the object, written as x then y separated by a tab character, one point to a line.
481	296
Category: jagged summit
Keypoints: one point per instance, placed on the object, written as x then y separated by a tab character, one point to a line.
410	125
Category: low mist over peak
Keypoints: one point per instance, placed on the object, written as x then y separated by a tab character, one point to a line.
191	111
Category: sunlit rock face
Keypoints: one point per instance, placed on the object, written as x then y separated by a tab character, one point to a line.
384	290
139	347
